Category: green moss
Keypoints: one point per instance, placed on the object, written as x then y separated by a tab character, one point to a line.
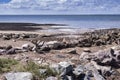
7	64
34	69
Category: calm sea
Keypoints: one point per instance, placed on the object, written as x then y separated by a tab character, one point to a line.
76	21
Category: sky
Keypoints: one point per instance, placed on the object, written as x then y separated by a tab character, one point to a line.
59	7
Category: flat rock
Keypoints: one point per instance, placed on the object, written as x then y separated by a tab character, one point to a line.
19	76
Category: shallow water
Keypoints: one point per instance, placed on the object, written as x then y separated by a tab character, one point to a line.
74	21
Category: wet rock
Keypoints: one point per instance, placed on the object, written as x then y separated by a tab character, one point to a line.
19	76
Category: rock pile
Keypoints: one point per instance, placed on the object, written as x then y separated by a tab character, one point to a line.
13	50
100	37
8	36
102	63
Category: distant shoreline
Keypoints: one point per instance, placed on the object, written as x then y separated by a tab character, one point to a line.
8	26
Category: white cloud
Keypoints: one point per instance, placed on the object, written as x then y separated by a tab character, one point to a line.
63	5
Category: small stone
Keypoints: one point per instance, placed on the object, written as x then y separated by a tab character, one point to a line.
86	50
60	56
42	71
25	46
9	47
72	51
79	70
55	67
51	78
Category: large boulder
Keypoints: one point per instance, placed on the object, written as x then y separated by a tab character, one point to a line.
101	55
65	69
19	76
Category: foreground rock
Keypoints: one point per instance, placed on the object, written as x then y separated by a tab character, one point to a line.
19	76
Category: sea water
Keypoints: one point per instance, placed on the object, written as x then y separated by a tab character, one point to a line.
74	21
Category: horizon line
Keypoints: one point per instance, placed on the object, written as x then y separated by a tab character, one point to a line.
57	14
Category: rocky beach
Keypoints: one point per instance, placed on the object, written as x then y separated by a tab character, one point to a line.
30	51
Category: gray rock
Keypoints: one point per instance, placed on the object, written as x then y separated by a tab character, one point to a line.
84	56
60	56
9	47
51	78
5	37
96	74
11	51
55	68
72	51
2	51
104	54
54	44
19	76
45	48
42	71
65	68
79	70
87	50
25	46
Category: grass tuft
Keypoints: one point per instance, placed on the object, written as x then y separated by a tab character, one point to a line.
7	64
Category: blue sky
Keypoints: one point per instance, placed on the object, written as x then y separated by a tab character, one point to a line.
59	7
